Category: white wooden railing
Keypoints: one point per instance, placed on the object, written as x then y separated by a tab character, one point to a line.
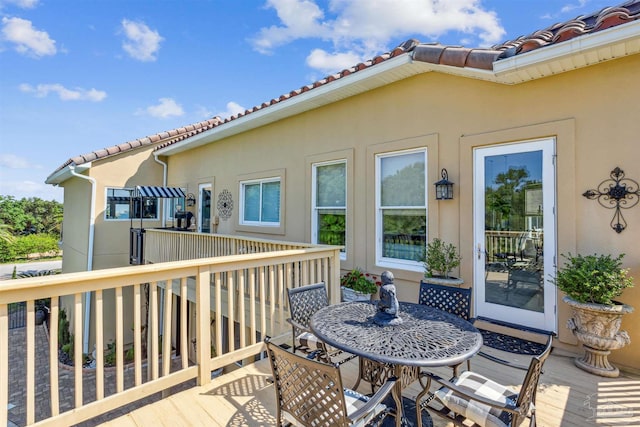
247	289
511	244
164	245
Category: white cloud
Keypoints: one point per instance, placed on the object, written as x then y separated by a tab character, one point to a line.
363	28
77	94
569	7
166	108
233	108
27	40
203	112
321	60
23	4
28	188
142	42
11	161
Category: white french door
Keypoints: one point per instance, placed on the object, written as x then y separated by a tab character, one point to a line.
515	233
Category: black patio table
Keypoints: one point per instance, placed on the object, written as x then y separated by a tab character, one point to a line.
427	338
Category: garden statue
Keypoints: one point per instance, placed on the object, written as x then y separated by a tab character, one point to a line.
388	307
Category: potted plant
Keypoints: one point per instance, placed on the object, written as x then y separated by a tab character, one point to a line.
358	286
439	260
591	283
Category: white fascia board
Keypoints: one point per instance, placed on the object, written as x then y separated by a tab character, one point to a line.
64	174
612	36
391	70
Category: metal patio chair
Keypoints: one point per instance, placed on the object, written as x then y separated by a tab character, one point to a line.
451	299
474	397
310	393
304	301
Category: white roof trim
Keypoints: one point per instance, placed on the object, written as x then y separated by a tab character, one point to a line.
64	174
615	42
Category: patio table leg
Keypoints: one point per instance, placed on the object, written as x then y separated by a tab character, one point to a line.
397	396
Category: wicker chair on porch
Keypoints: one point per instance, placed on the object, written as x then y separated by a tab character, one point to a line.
474	397
304	301
310	393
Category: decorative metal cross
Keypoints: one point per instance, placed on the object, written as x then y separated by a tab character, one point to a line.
616	193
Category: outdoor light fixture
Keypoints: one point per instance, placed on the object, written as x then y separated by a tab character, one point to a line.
444	187
191	199
616	193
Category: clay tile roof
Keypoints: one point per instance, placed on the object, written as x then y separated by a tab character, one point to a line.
166	136
434	53
582	25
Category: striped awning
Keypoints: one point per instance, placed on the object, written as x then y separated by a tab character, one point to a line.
159	192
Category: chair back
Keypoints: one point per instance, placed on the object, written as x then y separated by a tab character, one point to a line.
304	301
451	299
307	390
527	395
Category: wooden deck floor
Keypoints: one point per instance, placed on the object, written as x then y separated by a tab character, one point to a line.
567	396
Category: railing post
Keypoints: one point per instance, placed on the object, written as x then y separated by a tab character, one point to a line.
203	331
4	363
334	282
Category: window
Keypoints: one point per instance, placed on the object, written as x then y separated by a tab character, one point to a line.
120	205
260	202
174	205
329	204
401	209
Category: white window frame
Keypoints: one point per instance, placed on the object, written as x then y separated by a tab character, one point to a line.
388	262
259	223
315	209
129	218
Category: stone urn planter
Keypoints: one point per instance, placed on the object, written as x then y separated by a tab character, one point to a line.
591	282
597	327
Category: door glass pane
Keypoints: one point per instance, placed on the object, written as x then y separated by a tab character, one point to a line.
205	220
514	270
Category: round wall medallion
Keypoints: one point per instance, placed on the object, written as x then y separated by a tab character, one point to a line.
225	204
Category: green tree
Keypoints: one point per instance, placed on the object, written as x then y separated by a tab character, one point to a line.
507	199
32	215
5	234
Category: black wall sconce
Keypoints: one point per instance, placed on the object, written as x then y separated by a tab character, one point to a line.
444	187
616	193
191	199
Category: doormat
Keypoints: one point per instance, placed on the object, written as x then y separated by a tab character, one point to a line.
511	344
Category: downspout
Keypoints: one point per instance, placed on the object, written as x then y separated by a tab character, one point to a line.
164	184
92	225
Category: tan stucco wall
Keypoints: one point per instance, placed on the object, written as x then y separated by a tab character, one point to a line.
137	167
592	112
111	239
75	225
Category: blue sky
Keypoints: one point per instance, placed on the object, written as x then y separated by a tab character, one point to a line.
80	75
